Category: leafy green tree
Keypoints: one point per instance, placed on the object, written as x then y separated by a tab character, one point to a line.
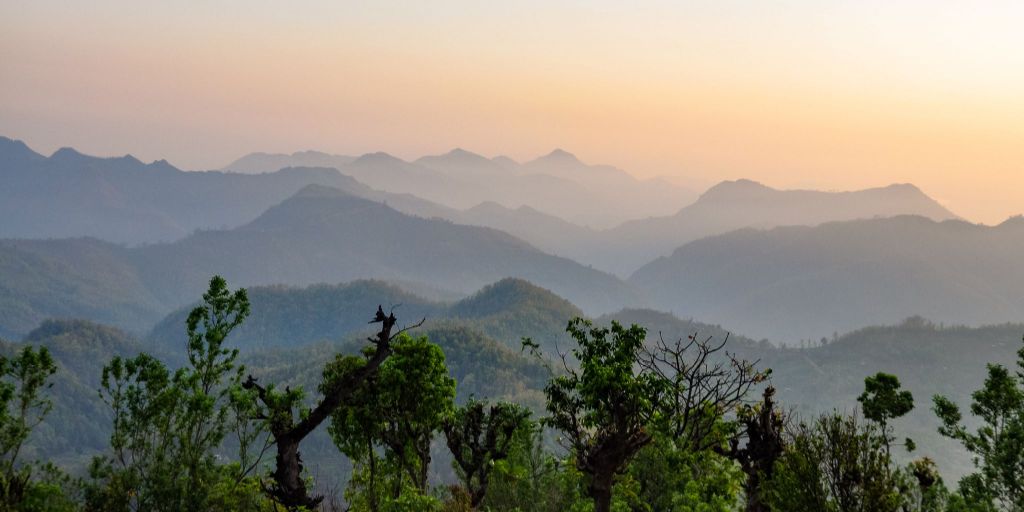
24	378
678	480
478	436
168	427
289	422
835	464
530	478
400	408
606	408
998	444
883	401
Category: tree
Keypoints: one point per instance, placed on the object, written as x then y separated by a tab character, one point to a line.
400	408
606	408
23	406
167	427
478	436
764	430
835	464
530	478
883	401
289	424
702	383
998	444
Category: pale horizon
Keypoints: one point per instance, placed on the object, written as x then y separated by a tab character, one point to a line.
795	95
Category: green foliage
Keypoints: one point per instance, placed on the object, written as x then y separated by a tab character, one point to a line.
835	464
531	478
998	444
478	437
24	404
883	400
398	409
168	427
605	408
670	479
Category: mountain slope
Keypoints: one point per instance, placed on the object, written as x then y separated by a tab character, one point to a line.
546	232
324	235
740	204
807	282
81	278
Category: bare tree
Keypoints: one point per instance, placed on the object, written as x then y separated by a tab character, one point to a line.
702	384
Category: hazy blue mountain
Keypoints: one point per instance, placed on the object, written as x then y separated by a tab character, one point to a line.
546	232
807	282
723	208
258	163
76	278
459	162
325	235
123	200
319	235
558	184
732	205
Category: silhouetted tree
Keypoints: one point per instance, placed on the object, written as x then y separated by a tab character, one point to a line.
702	383
763	427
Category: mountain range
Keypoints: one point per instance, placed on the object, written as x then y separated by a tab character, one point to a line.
319	235
802	282
121	242
557	183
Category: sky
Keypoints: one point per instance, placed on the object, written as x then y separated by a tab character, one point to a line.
833	95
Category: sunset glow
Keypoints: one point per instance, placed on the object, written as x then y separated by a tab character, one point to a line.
796	94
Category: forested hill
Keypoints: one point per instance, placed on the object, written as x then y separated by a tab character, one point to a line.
482	353
807	282
291	317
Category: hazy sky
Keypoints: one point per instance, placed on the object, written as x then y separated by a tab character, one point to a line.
801	93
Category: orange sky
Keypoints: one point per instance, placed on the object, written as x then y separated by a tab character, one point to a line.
798	93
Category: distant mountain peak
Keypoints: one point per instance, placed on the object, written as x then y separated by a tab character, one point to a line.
505	162
457	156
736	188
560	155
13	149
67	153
904	188
459	152
378	157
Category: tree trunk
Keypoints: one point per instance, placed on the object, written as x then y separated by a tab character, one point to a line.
601	491
289	489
